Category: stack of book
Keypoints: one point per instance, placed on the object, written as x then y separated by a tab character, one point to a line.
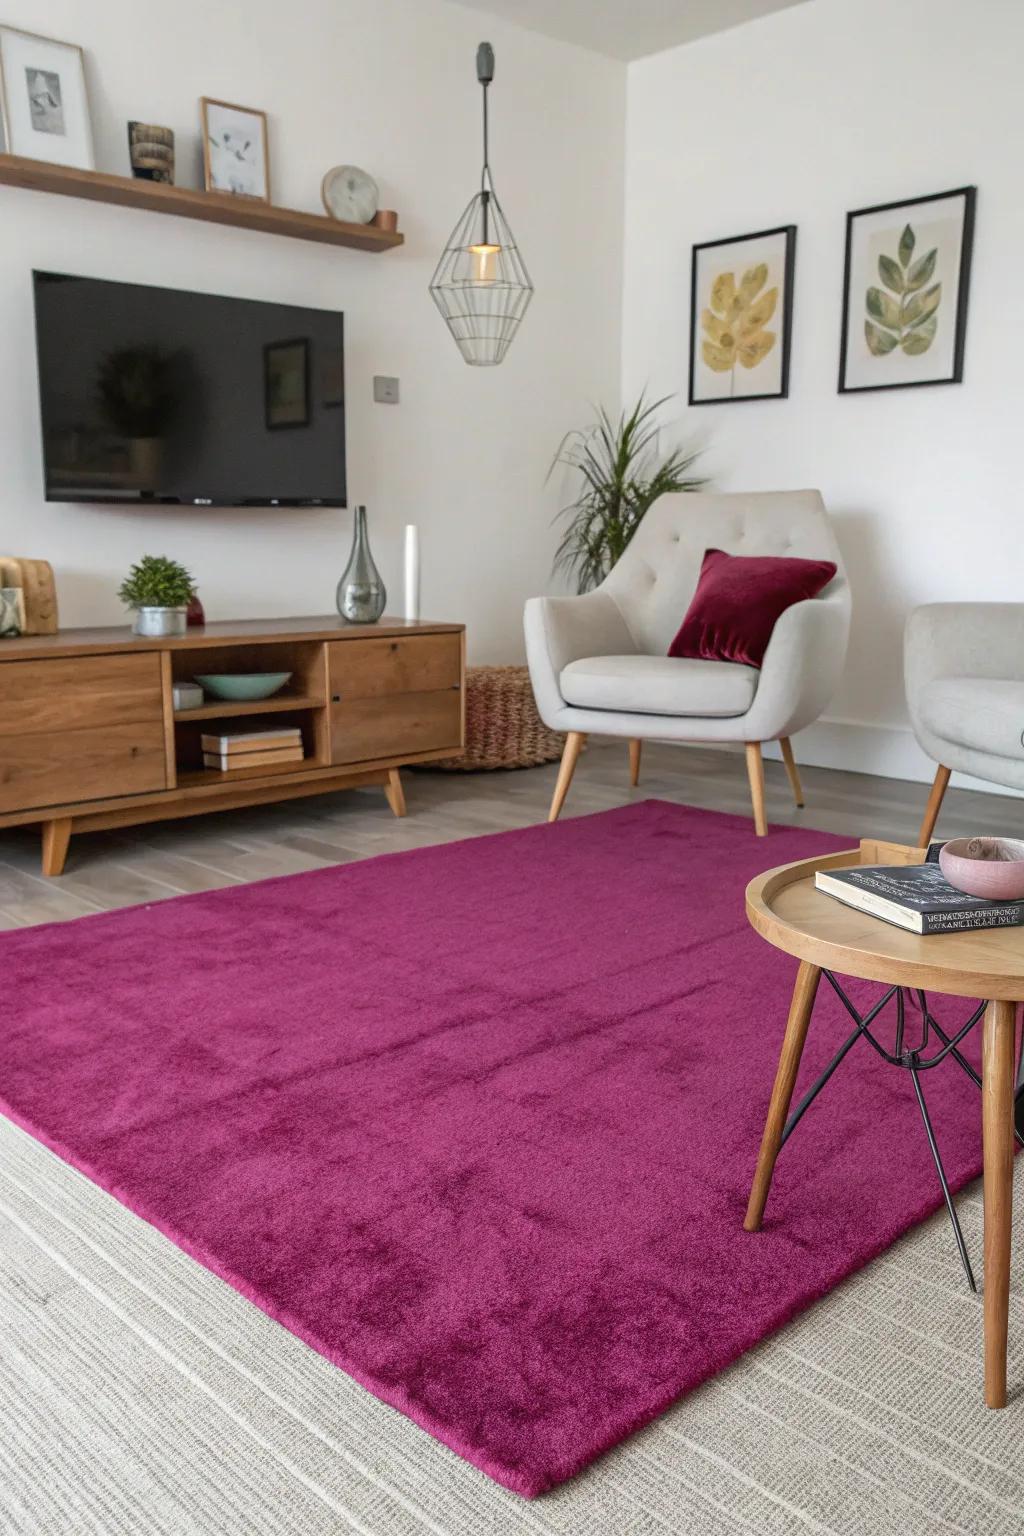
916	896
252	749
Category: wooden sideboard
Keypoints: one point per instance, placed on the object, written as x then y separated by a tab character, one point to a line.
89	737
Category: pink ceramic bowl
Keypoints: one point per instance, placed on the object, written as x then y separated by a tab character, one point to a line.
989	867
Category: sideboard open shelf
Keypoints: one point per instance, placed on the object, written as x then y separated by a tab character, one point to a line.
190	203
90	739
223	709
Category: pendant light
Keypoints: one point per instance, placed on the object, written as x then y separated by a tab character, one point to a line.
481	285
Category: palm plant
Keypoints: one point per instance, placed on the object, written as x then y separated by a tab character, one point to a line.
621	478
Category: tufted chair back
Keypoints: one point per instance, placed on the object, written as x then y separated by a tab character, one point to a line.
653	583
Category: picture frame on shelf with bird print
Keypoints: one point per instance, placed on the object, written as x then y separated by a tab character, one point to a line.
236	157
905	286
741	317
44	103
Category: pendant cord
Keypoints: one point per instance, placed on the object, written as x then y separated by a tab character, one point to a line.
485	173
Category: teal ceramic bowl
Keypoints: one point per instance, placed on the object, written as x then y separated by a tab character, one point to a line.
240	686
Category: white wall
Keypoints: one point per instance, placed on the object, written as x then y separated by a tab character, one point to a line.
797	118
390	85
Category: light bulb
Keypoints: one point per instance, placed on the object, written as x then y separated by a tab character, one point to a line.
485	262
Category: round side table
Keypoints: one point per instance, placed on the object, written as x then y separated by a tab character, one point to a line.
828	937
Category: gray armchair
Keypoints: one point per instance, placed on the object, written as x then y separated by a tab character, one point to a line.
599	662
964	667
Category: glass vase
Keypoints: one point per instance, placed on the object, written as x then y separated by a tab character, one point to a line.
361	592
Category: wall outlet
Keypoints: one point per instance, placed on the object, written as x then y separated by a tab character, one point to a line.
385	390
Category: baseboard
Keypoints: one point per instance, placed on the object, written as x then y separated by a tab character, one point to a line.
889	751
859	746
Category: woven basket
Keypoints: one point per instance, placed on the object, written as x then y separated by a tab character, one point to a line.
503	728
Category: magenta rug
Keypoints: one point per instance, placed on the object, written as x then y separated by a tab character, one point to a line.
478	1122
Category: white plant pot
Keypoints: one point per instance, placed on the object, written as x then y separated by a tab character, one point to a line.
159	623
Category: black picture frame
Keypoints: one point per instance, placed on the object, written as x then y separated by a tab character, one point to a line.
280	418
788	231
969	195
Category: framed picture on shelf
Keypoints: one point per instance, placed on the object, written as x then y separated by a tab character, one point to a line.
741	315
44	101
236	159
286	384
905	288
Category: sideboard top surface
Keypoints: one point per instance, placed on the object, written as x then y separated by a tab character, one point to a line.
81	642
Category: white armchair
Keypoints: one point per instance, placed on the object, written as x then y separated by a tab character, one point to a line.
964	668
599	662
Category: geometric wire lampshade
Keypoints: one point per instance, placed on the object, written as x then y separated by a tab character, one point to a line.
481	285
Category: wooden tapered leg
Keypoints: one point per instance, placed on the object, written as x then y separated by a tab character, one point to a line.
931	812
635	748
804	992
997	1138
394	791
570	754
755	773
56	836
791	769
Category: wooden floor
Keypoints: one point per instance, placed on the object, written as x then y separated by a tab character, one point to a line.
119	869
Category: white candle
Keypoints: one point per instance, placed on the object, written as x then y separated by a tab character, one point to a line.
412	571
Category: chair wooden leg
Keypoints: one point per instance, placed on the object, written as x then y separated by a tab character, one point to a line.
800	1009
56	836
635	748
997	1138
570	754
793	772
931	812
394	791
755	773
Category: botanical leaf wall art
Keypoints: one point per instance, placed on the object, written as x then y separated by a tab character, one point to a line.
905	292
902	312
740	317
734	325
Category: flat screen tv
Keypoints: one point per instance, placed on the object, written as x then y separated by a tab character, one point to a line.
154	396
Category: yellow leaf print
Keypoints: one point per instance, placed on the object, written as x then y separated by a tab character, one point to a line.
715	327
720	359
755	348
723	292
753	281
760	313
734	324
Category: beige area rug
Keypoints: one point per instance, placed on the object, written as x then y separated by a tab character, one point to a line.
141	1395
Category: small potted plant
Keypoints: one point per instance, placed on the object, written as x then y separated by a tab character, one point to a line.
159	590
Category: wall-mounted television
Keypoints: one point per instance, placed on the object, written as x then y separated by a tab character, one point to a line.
156	396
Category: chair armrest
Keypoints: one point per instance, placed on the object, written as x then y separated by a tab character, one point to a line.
563	629
802	666
963	640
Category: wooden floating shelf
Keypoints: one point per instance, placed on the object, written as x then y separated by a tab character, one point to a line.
220	709
188	203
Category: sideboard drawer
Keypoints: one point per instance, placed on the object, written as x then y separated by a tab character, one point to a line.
368	669
73	693
64	767
396	726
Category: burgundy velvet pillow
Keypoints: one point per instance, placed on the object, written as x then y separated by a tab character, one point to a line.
737	601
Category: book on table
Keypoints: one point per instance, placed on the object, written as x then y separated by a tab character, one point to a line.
917	897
